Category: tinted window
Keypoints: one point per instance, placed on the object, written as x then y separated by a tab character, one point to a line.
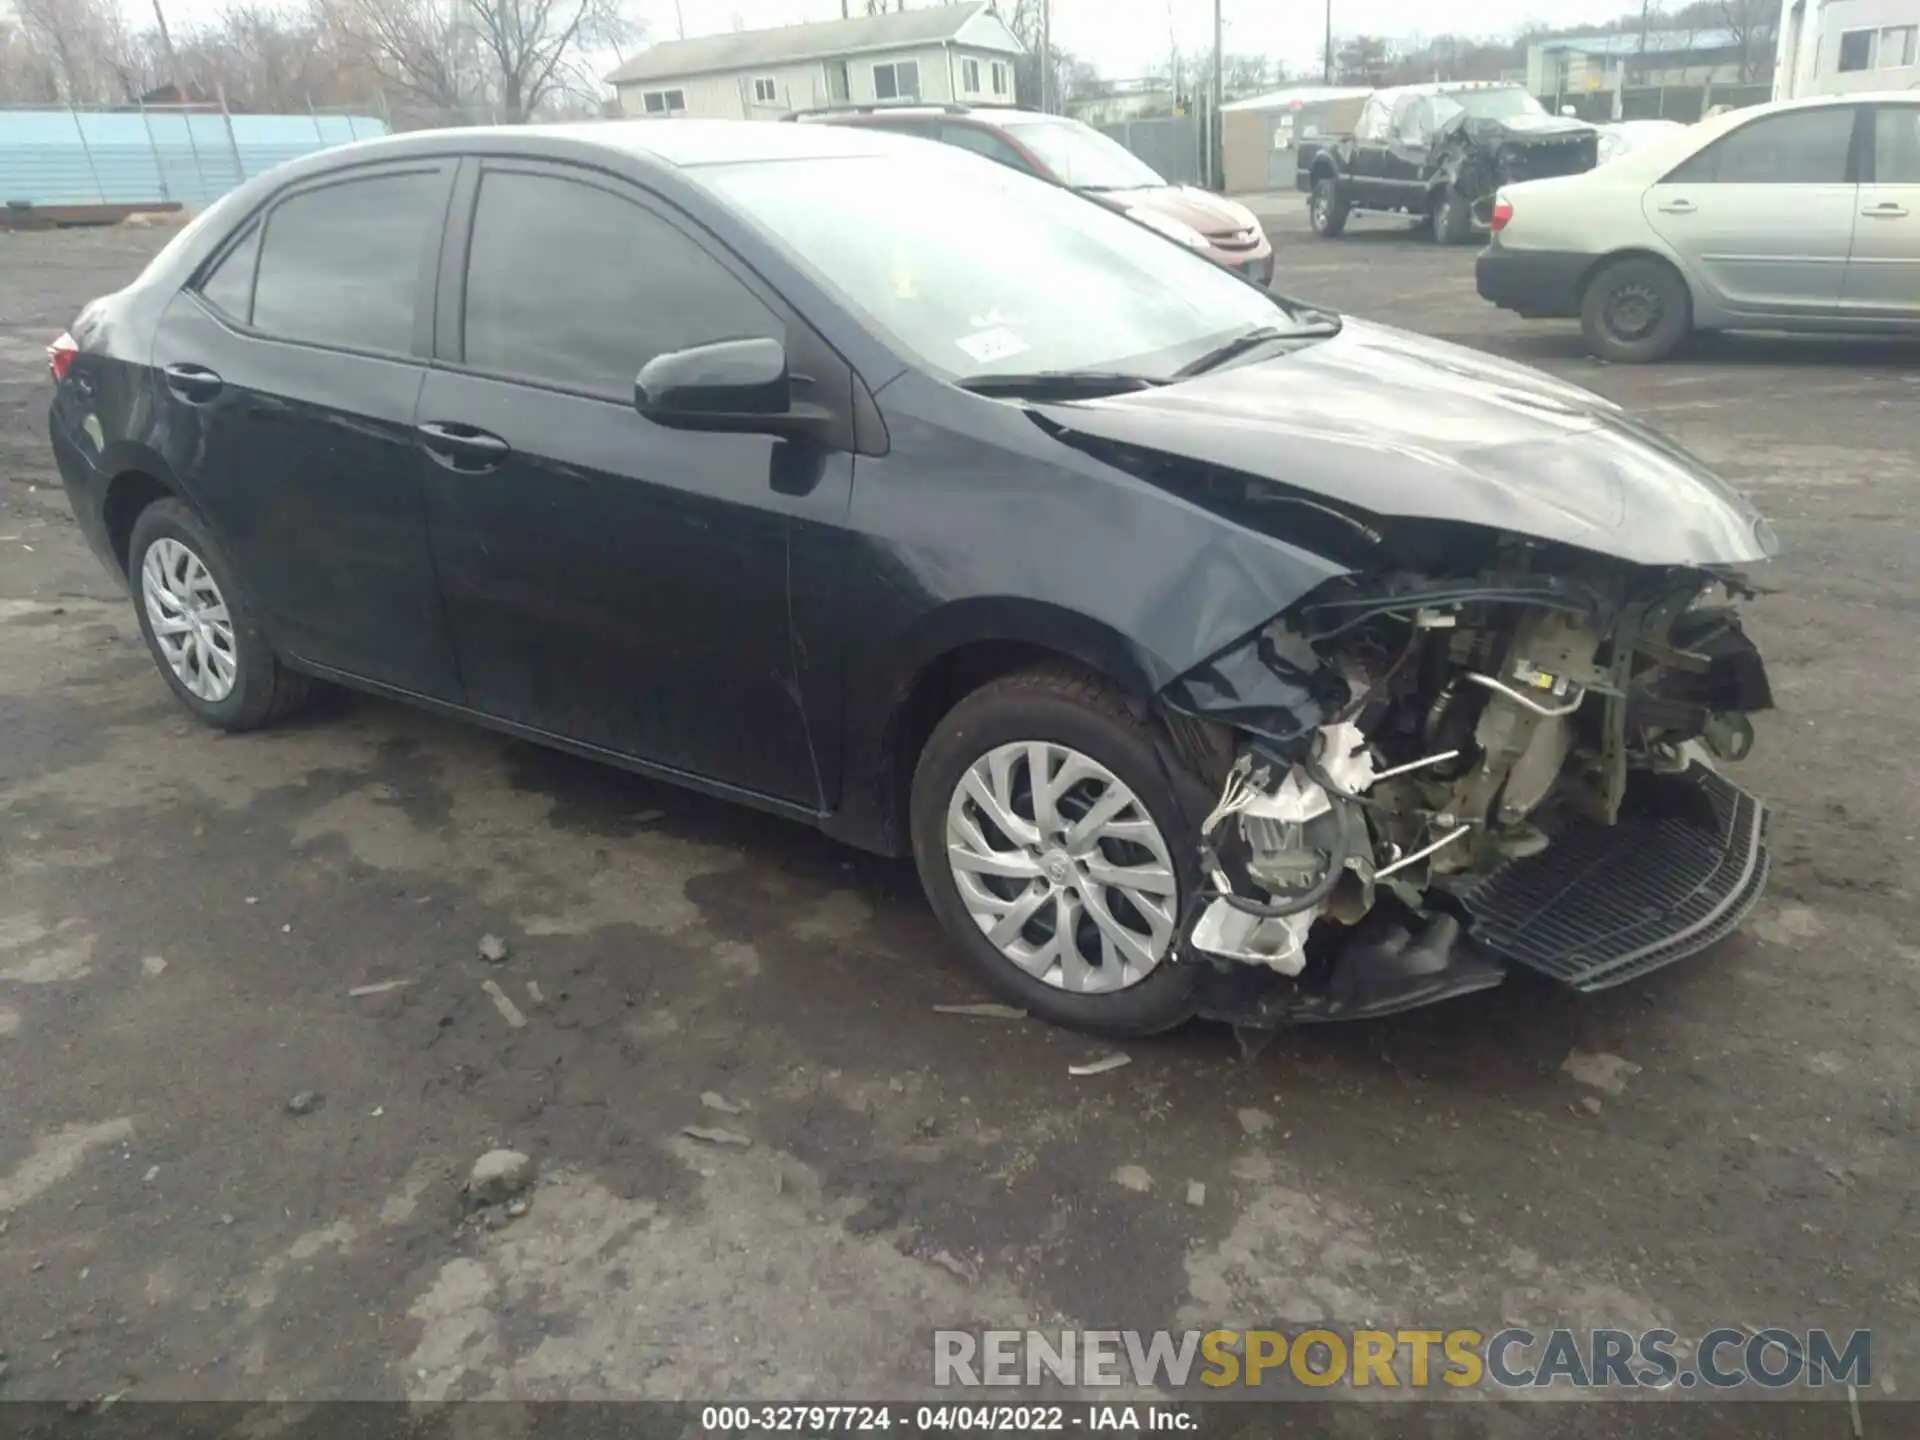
341	264
1797	147
573	286
1896	146
229	289
982	142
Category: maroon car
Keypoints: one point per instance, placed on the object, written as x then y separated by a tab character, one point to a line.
1080	158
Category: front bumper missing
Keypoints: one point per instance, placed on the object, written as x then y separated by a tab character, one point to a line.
1601	905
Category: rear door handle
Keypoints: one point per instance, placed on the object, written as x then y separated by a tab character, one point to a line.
462	447
194	384
1886	210
1677	207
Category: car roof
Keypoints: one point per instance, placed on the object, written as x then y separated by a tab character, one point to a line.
678	143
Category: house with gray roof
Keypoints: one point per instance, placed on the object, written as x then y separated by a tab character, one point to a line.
940	53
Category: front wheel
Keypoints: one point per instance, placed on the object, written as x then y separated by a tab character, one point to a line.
1056	844
1636	310
1327	208
1452	217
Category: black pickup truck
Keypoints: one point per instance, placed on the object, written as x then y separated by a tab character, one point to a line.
1438	153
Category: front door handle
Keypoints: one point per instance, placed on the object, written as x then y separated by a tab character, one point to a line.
462	447
1886	210
1676	207
195	384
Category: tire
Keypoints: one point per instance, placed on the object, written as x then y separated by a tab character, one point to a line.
172	554
1062	709
1452	217
1327	208
1635	311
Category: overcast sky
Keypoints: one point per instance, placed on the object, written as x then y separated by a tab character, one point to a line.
1125	38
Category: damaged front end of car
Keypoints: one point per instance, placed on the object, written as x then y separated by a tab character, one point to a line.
1426	779
1477	156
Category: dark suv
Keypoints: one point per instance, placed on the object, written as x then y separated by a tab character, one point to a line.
1079	157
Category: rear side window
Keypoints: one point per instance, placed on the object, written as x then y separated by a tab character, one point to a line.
1796	147
574	286
341	265
984	142
229	287
1896	145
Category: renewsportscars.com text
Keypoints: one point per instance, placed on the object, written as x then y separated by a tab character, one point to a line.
1510	1359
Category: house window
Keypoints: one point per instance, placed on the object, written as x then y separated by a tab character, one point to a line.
1896	46
970	76
765	92
664	102
898	81
999	78
1856	50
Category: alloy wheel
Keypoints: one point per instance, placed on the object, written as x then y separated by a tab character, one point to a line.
1062	867
190	621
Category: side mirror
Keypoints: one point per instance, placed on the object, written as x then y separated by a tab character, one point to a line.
738	386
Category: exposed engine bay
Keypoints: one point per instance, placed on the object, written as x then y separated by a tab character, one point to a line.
1431	781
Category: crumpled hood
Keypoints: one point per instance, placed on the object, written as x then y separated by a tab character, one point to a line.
1531	127
1397	425
1209	214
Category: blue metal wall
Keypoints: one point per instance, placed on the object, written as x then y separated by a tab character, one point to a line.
90	157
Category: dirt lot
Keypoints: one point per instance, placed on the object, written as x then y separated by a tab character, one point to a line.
184	916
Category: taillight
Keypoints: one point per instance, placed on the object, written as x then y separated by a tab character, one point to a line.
1502	213
60	356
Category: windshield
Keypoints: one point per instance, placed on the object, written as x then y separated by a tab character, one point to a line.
977	270
1082	157
1485	104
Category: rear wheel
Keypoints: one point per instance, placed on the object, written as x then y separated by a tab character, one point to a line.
1056	845
1636	310
200	626
1327	207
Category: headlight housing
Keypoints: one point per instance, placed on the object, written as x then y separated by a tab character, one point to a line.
1169	227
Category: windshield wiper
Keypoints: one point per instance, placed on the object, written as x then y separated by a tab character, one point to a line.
1317	326
1060	384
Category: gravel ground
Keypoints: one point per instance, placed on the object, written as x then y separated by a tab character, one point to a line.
185	918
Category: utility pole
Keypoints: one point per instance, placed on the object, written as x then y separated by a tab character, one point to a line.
1219	98
1046	56
1326	72
166	44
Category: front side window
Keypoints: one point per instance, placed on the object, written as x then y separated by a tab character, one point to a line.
1375	117
576	287
1896	145
664	102
976	270
1081	157
1793	147
898	81
229	286
1410	121
970	76
1856	50
341	264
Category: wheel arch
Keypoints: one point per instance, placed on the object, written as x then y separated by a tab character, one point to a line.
1634	252
959	649
138	479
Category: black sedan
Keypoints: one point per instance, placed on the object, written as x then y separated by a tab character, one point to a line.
1209	652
